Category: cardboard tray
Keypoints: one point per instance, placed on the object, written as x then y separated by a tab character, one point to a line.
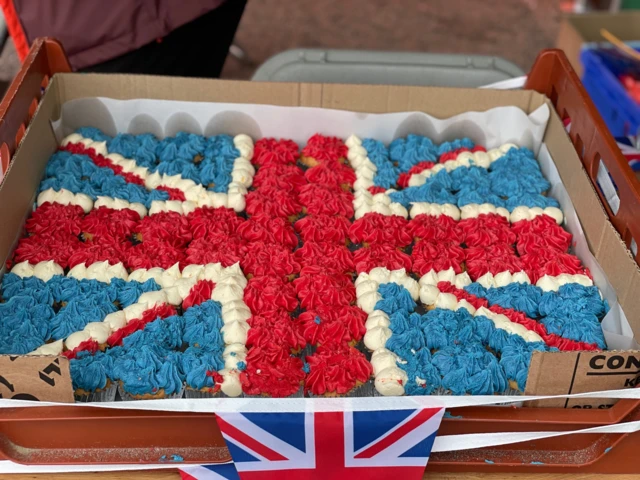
91	435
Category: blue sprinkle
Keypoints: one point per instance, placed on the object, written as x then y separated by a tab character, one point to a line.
177	458
233	354
537	463
306	368
163	458
489	462
317	320
607	450
448	415
241	366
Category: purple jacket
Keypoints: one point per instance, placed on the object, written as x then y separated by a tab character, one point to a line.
94	31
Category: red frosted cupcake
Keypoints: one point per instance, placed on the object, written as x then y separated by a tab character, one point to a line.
54	218
487	229
272	373
436	256
266	229
316	288
150	254
273	203
337	371
540	233
323	200
288	178
375	228
383	255
276	331
167	227
323	228
551	262
268	294
39	248
268	259
495	259
320	149
332	174
207	220
217	248
331	257
271	152
441	229
117	224
332	325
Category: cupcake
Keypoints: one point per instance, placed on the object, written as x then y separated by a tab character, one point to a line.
264	259
286	178
332	174
272	372
274	331
320	149
316	288
201	368
429	256
273	202
338	371
91	377
375	228
381	255
329	256
269	152
328	325
323	228
266	229
326	200
207	220
486	230
266	294
149	373
226	249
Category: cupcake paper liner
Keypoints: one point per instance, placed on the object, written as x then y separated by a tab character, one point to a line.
298	394
126	396
365	390
107	394
192	393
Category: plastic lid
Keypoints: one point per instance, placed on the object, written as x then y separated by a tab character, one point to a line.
393	68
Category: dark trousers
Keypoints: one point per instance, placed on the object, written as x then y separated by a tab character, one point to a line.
196	49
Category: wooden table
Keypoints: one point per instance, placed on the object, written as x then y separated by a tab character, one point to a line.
173	475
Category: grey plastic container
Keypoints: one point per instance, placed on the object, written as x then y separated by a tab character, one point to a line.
393	68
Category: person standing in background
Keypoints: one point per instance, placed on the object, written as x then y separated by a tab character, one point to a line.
157	37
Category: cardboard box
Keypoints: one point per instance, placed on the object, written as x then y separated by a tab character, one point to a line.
550	373
577	29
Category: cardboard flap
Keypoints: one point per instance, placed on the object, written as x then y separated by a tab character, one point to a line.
35	378
580	372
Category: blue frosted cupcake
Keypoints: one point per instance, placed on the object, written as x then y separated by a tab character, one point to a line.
90	375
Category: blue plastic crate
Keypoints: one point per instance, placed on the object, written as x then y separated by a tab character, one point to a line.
619	111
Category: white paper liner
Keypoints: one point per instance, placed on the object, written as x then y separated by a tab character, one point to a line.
165	118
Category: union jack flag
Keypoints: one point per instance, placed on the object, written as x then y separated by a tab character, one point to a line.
322	445
218	471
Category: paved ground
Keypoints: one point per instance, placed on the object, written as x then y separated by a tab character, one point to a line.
513	29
